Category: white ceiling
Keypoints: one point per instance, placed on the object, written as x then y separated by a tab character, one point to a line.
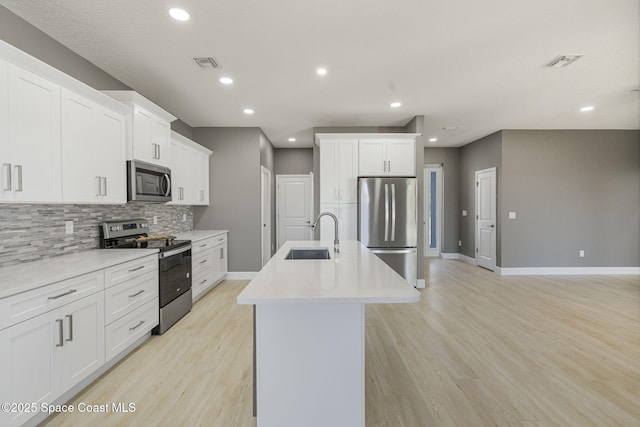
478	65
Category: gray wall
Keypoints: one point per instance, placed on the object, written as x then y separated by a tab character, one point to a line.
234	191
449	158
571	190
293	161
182	128
482	154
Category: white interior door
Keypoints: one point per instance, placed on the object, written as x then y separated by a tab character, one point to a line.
265	203
294	196
433	212
486	210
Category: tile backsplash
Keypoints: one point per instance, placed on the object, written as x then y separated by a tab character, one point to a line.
34	232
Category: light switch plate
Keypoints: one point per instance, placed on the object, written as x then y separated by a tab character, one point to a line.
464	212
68	227
581	253
512	215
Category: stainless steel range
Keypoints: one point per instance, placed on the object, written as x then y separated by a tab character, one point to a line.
174	262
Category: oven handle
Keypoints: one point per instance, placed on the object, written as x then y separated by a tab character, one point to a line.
175	251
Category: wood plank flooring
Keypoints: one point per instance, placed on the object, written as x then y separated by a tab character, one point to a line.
477	350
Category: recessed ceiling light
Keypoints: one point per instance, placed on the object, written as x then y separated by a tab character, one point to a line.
587	108
179	14
226	80
433	139
563	61
292	140
321	71
395	104
247	111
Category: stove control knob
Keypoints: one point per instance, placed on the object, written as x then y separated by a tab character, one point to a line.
114	228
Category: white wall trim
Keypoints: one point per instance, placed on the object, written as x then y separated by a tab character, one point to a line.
420	284
241	275
462	257
569	270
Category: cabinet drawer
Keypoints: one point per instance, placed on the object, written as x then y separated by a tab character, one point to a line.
202	261
126	330
127	296
202	280
203	245
26	305
128	270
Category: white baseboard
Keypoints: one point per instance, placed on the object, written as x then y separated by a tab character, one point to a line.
420	284
519	271
458	256
241	275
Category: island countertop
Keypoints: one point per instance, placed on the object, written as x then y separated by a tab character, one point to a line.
354	275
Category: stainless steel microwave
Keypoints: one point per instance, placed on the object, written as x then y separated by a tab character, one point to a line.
147	182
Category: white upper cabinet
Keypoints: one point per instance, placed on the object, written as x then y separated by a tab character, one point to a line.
387	157
189	171
338	171
93	152
30	137
148	128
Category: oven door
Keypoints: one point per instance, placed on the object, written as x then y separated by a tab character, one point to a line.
175	273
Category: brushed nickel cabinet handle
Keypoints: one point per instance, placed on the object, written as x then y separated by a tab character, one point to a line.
131	270
64	294
60	333
137	293
70	317
137	326
18	169
7	176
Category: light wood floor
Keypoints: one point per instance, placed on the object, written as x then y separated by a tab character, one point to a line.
478	350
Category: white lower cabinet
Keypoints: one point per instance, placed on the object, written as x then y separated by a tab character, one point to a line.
209	264
45	356
124	331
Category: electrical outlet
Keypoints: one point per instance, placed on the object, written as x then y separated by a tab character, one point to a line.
512	215
459	242
464	212
581	253
155	219
184	217
68	227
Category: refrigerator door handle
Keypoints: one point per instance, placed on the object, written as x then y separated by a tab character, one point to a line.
386	212
393	212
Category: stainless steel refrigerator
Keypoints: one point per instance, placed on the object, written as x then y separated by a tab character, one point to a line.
388	222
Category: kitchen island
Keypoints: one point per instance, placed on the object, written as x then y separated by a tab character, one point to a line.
310	333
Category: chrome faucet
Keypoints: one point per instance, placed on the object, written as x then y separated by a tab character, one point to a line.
336	242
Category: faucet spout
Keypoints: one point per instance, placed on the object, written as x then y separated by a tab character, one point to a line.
336	242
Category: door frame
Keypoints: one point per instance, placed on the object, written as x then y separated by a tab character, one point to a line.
494	235
265	214
438	169
278	181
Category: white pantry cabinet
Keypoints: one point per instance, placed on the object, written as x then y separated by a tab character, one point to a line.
189	171
30	137
93	152
148	128
387	157
338	171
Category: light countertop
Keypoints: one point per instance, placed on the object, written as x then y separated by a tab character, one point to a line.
197	235
355	275
25	277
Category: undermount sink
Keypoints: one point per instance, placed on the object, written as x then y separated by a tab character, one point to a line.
308	253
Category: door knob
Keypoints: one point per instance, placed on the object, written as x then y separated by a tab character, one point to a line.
492	225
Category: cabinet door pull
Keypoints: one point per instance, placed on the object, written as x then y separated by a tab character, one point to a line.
221	253
60	333
64	294
104	185
203	261
202	195
203	281
159	153
7	176
203	245
18	169
137	293
98	186
70	317
136	269
137	326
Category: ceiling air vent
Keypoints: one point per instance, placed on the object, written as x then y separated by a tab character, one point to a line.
563	61
207	62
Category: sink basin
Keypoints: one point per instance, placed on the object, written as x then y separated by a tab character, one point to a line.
308	253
